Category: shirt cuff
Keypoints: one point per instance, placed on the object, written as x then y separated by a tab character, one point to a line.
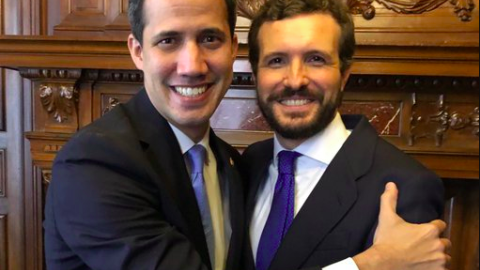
347	264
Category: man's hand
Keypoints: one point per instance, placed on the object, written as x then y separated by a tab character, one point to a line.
400	245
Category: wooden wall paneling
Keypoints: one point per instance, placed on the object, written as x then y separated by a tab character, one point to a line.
114	87
441	26
55	100
87	18
410	23
462	216
120	26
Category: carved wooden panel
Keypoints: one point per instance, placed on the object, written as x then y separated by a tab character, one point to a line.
88	18
414	22
55	98
3	242
438	121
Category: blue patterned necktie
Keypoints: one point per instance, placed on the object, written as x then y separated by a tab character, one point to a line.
282	212
197	156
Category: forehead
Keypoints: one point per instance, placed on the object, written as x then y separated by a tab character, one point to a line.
180	13
318	31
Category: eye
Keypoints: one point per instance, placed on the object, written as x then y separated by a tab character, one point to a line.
275	62
210	39
167	41
316	59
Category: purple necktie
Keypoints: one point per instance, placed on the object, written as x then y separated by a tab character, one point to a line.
282	213
197	156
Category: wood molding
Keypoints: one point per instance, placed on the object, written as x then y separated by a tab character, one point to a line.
48	52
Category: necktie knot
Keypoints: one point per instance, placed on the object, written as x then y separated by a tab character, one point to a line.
197	156
286	162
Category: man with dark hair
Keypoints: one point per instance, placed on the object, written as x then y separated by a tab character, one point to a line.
149	185
314	190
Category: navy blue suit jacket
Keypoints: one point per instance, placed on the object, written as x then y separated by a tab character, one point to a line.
339	219
121	197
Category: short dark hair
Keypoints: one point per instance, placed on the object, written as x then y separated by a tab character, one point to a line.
137	19
276	10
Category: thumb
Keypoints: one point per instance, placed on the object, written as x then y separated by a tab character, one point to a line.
388	211
388	207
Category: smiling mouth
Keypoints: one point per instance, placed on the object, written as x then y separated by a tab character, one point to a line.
295	102
191	92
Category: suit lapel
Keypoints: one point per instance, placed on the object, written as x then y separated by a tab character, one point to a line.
331	199
164	153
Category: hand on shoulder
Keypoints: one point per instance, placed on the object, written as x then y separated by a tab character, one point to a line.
400	245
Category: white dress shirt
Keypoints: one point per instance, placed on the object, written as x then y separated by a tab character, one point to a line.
317	154
218	197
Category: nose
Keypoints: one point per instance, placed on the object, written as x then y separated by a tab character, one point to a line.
191	62
296	77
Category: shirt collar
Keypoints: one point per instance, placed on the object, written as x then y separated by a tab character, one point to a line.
186	143
322	147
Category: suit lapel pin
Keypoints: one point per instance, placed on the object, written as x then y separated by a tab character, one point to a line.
231	162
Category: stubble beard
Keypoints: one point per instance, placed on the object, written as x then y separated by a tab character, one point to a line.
322	118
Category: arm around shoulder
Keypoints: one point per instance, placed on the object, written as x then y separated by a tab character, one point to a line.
108	217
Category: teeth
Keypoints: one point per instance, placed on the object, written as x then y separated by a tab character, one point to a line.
191	91
296	102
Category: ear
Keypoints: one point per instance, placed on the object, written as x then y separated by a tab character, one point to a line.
345	77
235	46
136	51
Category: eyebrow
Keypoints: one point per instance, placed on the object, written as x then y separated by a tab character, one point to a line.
171	34
325	54
213	31
166	34
283	54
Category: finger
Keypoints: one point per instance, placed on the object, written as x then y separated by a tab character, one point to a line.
440	225
448	245
388	207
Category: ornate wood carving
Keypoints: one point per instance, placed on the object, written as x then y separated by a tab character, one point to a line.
46	180
363	7
439	121
56	97
59	101
131	76
3	173
57	74
463	8
111	103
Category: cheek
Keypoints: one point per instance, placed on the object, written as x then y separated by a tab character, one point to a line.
160	65
268	83
329	83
